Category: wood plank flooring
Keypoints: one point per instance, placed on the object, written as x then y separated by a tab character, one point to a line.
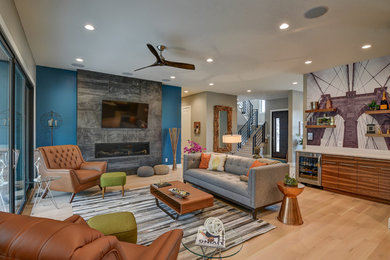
335	227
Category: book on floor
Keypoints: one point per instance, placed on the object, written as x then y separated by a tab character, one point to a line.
204	238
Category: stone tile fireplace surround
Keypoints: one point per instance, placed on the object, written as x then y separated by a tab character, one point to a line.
92	88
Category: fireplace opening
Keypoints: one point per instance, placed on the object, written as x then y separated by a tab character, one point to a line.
104	150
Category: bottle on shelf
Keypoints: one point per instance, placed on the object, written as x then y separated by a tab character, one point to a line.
384	104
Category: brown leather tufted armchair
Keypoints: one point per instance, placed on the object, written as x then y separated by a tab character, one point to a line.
25	237
66	161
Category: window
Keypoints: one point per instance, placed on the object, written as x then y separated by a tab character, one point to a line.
277	134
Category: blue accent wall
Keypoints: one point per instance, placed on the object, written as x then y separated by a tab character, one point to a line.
56	90
171	118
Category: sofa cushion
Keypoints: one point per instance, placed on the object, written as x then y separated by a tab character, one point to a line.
255	164
85	176
217	162
224	180
238	165
204	161
268	161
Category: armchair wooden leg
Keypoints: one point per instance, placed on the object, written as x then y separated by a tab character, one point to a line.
71	198
44	194
104	190
100	187
123	190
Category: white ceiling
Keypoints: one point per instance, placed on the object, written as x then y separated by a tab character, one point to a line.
242	36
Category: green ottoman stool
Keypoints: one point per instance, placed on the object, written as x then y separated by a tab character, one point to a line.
119	224
110	179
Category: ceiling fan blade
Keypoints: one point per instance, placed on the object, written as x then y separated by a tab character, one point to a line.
155	53
179	65
153	65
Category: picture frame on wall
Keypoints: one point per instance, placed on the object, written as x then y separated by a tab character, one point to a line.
197	128
310	136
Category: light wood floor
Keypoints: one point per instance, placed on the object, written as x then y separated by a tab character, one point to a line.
335	227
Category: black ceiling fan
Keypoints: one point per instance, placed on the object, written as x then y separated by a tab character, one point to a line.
161	61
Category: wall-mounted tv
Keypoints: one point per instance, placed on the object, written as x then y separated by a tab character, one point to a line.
122	114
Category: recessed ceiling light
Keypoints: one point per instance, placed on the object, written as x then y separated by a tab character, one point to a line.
89	27
308	62
78	65
294	83
284	26
249	91
316	12
172	77
367	46
209	60
79	60
211	84
186	91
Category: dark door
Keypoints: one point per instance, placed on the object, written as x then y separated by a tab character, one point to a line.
279	134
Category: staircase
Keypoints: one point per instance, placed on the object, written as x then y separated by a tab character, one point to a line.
251	133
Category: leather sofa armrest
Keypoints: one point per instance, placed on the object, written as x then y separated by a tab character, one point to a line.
76	219
96	166
262	184
165	246
106	247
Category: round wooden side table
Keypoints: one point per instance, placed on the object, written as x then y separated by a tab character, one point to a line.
289	211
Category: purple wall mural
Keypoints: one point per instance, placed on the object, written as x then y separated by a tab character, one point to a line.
351	88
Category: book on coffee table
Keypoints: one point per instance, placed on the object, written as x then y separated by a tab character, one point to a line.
204	238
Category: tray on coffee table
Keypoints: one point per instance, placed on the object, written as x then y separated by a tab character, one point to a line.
197	200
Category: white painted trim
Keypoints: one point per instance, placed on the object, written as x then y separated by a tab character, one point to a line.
182	147
178	166
270	128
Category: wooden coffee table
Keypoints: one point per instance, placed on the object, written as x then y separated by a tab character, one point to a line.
197	200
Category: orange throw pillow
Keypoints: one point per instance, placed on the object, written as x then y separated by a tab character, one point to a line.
255	164
204	161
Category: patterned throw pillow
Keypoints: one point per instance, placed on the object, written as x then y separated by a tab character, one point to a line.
217	162
204	161
255	164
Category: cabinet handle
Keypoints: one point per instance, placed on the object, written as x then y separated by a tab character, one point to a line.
367	166
347	164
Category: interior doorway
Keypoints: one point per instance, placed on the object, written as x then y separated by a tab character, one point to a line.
185	127
279	134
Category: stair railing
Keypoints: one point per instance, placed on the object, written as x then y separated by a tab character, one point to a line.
250	125
258	137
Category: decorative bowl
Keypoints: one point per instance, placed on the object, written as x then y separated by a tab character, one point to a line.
179	192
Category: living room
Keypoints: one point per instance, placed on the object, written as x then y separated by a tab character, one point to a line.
194	130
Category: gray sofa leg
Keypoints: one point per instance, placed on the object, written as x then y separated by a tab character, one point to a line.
254	213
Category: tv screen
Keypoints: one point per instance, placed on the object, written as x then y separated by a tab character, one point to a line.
122	114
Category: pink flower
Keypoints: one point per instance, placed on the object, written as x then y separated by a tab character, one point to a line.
193	147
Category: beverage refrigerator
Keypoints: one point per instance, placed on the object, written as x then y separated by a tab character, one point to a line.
308	168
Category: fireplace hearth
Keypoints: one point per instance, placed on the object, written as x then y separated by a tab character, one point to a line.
106	150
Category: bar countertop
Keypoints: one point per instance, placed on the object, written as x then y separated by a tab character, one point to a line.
354	152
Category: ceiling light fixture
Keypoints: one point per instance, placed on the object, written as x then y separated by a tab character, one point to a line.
172	77
211	84
249	91
209	60
316	12
79	60
308	62
367	46
89	27
284	26
294	83
186	91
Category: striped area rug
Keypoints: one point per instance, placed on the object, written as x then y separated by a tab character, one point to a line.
152	221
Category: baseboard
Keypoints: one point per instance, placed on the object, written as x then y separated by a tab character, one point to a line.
178	166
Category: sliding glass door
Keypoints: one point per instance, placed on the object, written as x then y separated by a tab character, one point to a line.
20	142
16	128
5	82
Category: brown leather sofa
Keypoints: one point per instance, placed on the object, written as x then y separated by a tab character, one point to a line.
25	237
66	161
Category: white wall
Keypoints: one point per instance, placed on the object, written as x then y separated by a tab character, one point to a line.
295	116
12	27
202	110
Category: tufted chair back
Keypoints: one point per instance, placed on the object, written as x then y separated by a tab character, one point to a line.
62	156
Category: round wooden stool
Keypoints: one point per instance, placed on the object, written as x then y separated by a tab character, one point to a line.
289	211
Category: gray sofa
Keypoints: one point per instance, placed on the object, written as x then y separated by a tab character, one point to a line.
260	190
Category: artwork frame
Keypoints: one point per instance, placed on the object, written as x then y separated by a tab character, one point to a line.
197	128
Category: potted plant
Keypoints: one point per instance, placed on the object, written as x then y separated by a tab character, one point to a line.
373	105
289	181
